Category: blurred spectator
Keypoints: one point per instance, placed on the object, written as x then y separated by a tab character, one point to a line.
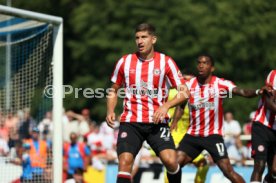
86	114
48	172
23	159
77	177
27	173
38	154
108	135
16	151
248	126
101	142
75	155
4	148
12	122
238	153
46	127
92	126
232	129
4	133
74	123
95	141
26	126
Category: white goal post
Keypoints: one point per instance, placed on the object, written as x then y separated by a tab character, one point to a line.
57	62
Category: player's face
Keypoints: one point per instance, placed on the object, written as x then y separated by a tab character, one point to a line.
145	42
204	67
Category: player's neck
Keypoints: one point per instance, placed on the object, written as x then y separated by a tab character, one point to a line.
147	56
204	80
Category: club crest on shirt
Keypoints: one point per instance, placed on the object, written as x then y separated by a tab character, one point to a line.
261	148
123	134
156	72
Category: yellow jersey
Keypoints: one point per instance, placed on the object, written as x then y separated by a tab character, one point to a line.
183	123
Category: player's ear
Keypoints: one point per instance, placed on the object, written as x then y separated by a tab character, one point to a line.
154	39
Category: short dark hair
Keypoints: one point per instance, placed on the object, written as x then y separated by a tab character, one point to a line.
146	27
208	56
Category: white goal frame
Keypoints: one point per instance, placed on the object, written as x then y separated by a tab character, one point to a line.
57	80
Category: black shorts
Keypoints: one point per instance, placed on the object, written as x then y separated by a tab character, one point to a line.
194	145
263	142
132	135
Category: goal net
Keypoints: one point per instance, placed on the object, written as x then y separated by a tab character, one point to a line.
27	60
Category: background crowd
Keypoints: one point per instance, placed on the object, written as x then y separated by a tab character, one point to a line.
28	143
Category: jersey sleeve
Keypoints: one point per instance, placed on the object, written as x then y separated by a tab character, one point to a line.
173	74
188	83
271	79
227	85
118	72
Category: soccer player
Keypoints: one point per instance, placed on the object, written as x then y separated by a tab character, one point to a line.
145	77
206	117
264	135
179	126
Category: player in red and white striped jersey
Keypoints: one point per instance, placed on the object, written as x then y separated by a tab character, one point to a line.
206	117
146	85
264	134
146	77
263	114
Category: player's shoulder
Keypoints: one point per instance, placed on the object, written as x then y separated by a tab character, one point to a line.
124	57
271	79
222	80
163	55
272	74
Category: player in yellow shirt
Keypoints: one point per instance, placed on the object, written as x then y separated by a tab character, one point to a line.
179	126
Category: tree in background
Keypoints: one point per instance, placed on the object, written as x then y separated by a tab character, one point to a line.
239	34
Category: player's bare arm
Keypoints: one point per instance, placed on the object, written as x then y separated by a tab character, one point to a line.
179	111
182	95
111	104
249	93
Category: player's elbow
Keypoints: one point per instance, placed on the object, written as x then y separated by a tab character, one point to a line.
184	94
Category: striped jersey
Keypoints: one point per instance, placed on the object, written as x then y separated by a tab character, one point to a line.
264	115
146	84
205	105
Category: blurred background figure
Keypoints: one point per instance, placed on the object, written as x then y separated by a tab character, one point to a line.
4	148
86	115
76	123
247	130
4	133
247	127
238	153
75	155
38	154
231	128
46	127
12	123
26	125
